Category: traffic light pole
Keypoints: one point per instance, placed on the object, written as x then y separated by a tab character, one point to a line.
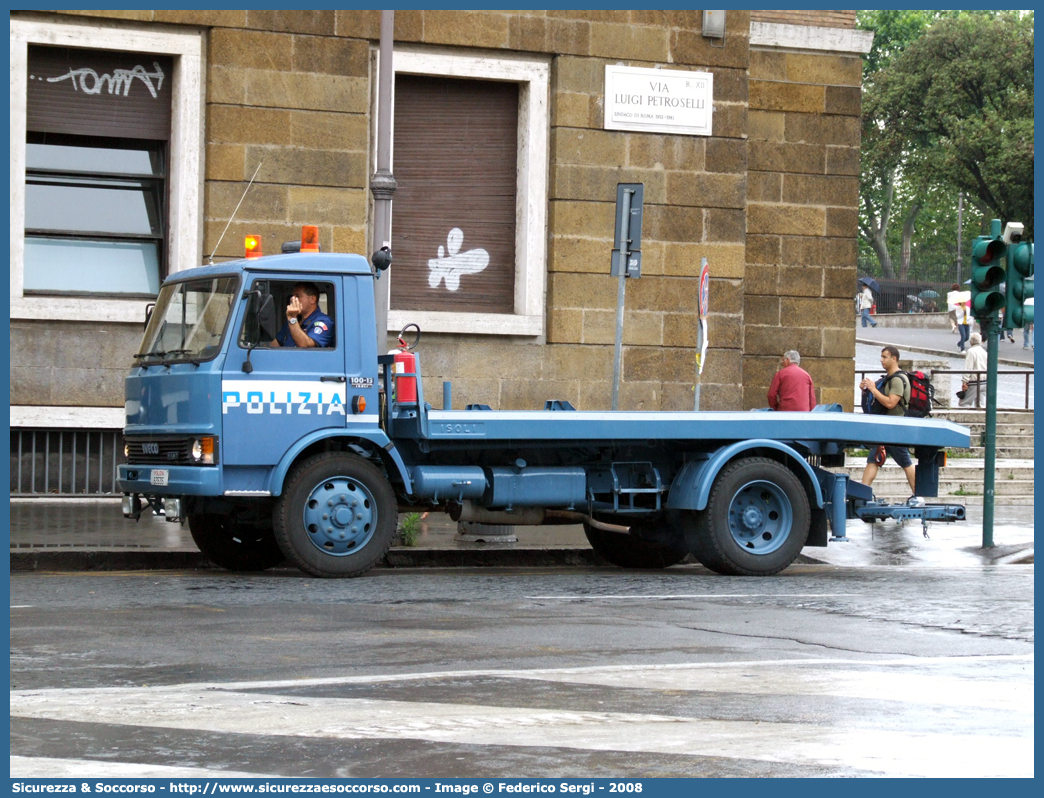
989	440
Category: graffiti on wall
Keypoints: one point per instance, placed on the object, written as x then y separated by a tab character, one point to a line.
451	264
119	82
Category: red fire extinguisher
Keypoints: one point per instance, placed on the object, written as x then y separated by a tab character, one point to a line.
406	363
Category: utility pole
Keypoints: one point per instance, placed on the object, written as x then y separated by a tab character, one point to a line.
989	258
382	184
960	232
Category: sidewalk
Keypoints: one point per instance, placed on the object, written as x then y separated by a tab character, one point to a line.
92	535
940	342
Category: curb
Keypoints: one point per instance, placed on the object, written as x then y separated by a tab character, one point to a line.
924	350
106	560
122	560
100	560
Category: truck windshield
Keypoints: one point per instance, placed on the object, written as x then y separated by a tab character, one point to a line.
188	321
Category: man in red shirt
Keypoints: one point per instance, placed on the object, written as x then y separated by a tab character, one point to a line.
791	387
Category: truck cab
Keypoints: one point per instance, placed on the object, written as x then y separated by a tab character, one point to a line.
208	376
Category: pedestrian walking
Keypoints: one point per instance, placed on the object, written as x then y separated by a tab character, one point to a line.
894	397
973	388
866	301
959	314
1027	336
964	321
791	387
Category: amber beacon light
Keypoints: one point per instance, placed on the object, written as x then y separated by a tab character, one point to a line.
309	238
252	246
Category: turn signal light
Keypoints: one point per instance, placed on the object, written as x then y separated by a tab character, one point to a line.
252	246
203	450
309	238
358	404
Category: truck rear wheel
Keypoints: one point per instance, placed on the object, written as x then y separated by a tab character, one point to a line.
629	550
337	515
756	521
233	545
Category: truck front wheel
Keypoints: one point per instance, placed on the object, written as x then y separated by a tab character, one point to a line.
630	550
233	545
756	521
336	517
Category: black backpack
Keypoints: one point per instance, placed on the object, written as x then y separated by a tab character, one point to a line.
922	395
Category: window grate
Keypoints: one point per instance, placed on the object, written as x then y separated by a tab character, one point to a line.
57	462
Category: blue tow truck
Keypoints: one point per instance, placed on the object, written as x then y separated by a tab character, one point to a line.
308	454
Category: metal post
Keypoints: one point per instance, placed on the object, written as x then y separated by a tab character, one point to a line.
622	245
382	184
960	232
990	436
699	379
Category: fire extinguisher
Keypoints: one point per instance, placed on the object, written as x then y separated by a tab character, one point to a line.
406	363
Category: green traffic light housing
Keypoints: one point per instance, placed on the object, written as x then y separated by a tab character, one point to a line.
987	276
1020	288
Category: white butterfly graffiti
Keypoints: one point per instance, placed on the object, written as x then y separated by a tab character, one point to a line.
452	264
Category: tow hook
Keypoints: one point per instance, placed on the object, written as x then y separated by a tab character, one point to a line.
131	506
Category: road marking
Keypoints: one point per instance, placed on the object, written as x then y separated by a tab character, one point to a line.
51	768
635	596
891	750
323	681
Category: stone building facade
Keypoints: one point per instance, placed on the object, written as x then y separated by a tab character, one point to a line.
770	198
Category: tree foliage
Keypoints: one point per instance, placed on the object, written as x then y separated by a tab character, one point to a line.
947	107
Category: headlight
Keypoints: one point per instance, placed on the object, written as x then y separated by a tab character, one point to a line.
126	450
202	450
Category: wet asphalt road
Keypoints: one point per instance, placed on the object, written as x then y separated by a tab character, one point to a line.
821	670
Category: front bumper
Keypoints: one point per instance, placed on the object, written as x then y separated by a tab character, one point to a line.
170	480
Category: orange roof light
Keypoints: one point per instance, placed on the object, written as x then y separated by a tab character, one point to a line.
252	245
309	238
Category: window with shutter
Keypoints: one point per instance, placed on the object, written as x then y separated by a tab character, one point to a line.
469	216
97	123
456	145
106	164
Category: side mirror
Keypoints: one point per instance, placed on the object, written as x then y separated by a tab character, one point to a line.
266	317
260	321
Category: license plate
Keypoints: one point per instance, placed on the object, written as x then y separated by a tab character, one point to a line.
159	476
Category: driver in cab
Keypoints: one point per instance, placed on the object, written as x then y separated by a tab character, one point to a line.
305	325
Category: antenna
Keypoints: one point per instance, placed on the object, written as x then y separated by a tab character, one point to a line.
210	260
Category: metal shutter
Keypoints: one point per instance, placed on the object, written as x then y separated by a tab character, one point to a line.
99	93
456	152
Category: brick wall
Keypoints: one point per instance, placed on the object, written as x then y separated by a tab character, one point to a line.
803	189
818	19
769	199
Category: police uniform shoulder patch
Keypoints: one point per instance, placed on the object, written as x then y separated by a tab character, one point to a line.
320	326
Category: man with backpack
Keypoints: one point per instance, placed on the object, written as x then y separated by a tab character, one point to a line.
893	398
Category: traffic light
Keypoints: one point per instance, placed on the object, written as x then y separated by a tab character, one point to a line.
1020	267
987	276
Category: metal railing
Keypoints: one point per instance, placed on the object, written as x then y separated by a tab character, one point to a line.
979	383
57	462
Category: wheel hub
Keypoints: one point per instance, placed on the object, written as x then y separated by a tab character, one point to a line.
760	517
340	516
752	517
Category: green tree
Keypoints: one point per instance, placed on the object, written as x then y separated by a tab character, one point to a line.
883	154
961	95
947	107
